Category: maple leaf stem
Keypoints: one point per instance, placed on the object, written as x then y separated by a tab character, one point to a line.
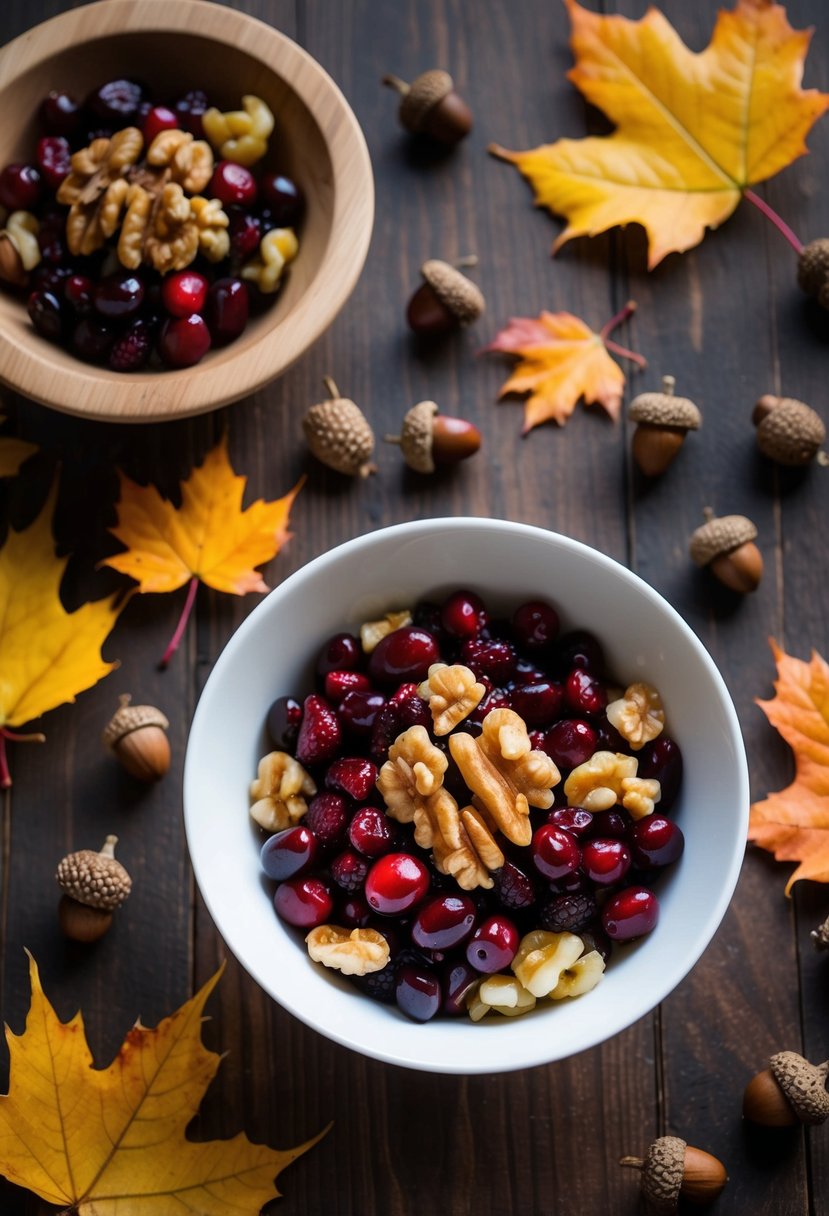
617	319
638	359
192	588
779	223
5	775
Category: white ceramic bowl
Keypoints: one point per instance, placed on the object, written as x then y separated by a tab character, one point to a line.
272	654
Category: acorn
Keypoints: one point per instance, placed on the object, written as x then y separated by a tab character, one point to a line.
428	438
445	300
813	270
788	431
671	1168
12	269
93	885
338	434
789	1091
726	546
663	421
136	734
430	106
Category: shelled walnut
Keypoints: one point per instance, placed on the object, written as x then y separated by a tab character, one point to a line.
638	715
240	135
452	692
189	160
95	189
353	952
279	792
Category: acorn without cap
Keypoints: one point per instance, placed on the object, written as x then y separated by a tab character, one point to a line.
788	431
430	106
663	421
93	885
671	1168
726	546
338	434
136	735
445	300
789	1091
428	438
813	270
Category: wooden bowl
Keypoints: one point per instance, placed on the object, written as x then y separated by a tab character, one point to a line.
174	46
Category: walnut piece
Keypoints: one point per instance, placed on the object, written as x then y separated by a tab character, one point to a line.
639	795
189	160
580	977
171	239
413	771
276	249
279	792
95	189
240	135
372	632
452	692
21	230
596	785
461	841
637	715
212	224
354	952
542	957
505	994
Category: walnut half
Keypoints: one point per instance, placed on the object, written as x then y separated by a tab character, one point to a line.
638	715
279	792
352	951
452	692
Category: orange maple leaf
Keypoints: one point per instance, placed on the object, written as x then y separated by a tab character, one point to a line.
209	539
100	1142
793	824
561	360
693	131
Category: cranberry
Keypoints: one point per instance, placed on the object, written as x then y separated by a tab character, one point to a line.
46	314
283	199
342	652
605	860
289	853
495	659
656	841
59	114
132	350
358	711
53	158
496	698
404	654
630	913
232	183
537	703
568	913
554	851
352	775
245	232
283	722
573	819
354	912
570	884
304	902
190	110
20	187
92	340
156	120
608	738
463	614
570	742
338	683
116	102
78	291
527	673
535	624
596	939
493	945
48	278
612	823
118	296
349	871
580	649
417	992
584	692
227	311
327	817
51	240
184	292
184	341
458	980
513	887
396	883
662	759
319	734
393	719
444	922
371	832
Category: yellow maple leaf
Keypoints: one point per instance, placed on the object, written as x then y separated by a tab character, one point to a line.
793	824
13	452
694	130
111	1142
47	655
209	539
561	360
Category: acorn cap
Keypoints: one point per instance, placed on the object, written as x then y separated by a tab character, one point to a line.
804	1085
128	718
416	437
664	409
95	879
790	432
662	1173
454	290
813	268
424	93
717	536
339	435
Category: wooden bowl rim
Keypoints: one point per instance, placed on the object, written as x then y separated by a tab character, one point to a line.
154	396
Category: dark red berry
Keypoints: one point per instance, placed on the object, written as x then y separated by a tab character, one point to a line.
404	654
371	832
283	723
570	742
527	672
53	158
46	313
612	823
662	760
606	860
232	184
59	114
457	981
354	912
596	939
288	853
538	703
78	292
535	624
349	870
245	233
463	614
417	992
51	240
184	292
184	341
379	985
305	902
92	340
358	711
444	922
156	120
573	819
630	913
283	200
608	738
513	887
396	883
568	913
493	945
190	111
227	310
118	296
20	187
319	735
655	842
327	817
342	652
132	350
338	683
493	658
393	719
555	851
116	102
496	698
584	693
352	775
570	884
580	649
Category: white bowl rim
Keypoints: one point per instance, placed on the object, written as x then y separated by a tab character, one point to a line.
663	984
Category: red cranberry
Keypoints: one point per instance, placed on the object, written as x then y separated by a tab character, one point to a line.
605	860
662	759
554	851
537	703
59	114
615	824
289	853
53	158
536	625
305	902
132	350
20	187
349	870
568	913
116	102
342	652
184	292
396	883
570	884
227	311
92	340
283	723
184	341
463	614
352	775
118	296
283	199
404	654
371	832
596	939
46	314
513	887
232	184
358	711
573	819
493	945
245	232
417	992
608	738
158	119
444	922
496	698
656	841
393	719
354	912
570	742
78	291
580	649
319	734
327	817
630	913
495	659
527	672
584	693
458	980
190	110
338	683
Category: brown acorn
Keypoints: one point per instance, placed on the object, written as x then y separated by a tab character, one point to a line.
430	106
726	546
789	1091
428	438
788	431
813	270
671	1168
136	735
445	300
12	269
663	421
339	435
93	885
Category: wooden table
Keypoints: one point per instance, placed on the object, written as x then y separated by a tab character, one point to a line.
727	320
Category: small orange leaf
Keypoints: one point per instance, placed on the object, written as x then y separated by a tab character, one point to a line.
793	824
